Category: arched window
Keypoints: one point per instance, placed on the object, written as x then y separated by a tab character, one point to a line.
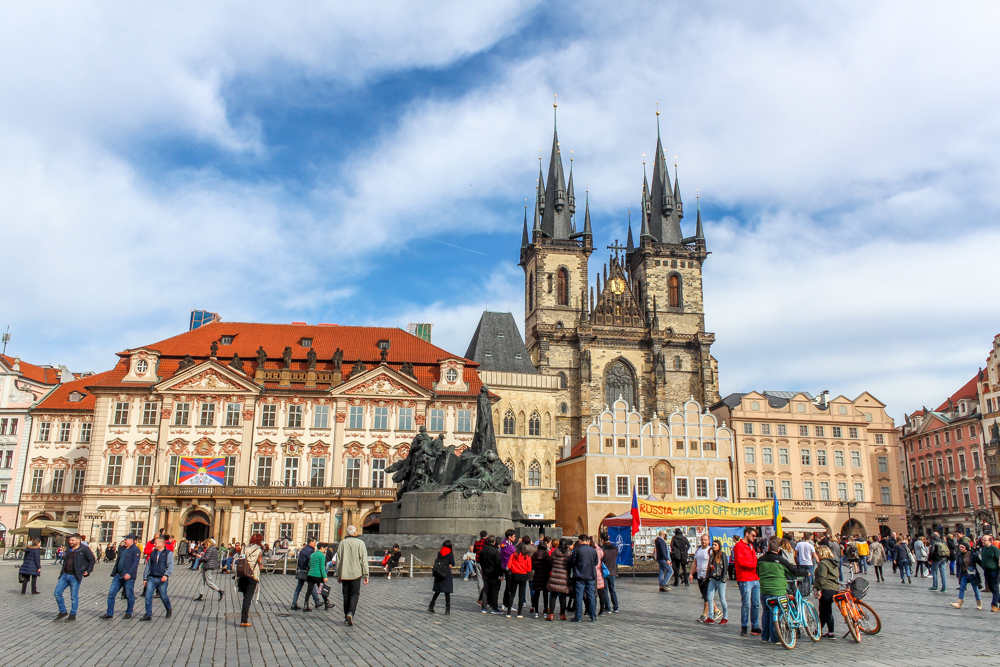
509	423
562	287
562	380
535	424
675	291
619	381
534	474
531	292
550	283
677	363
510	466
563	408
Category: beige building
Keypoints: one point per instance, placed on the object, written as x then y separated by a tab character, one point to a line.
836	463
685	456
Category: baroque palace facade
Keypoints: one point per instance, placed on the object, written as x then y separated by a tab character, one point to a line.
307	419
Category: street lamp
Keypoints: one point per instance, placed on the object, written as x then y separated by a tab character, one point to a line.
850	521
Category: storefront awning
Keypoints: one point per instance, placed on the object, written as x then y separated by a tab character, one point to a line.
789	527
48	528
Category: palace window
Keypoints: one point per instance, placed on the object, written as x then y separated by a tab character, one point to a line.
642	486
8	459
509	423
841	490
137	528
601	485
534	424
751	488
405	421
820	431
381	421
880	439
838	458
294	416
207	414
114	476
534	474
951	465
782	429
722	488
44	429
783	456
824	490
86	428
856	459
65	429
806	457
312	531
264	464
786	489
765	429
143	469
321	416
701	487
173	469
886	495
748	454
37	477
286	531
378	473
258	528
292	471
9	426
317	471
803	430
121	413
682	487
107	531
79	476
807	490
965	496
769	488
230	471
821	457
621	485
58	477
562	287
859	492
766	457
150	411
353	473
268	415
233	414
748	428
619	381
883	464
465	421
182	414
437	419
356	420
838	432
975	460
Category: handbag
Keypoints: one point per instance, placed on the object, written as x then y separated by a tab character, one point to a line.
22	578
301	575
605	572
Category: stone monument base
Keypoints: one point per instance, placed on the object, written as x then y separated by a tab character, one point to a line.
422	513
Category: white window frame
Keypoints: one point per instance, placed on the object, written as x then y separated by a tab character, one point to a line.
182	414
436	420
317	471
687	487
206	416
380	418
618	486
786	485
751	488
121	413
378	473
290	470
352	469
769	487
808	490
842	486
294	418
598	479
37	480
749	454
233	411
321	416
886	496
150	413
464	421
639	481
725	484
855	459
86	431
356	417
824	490
859	492
766	456
269	415
783	456
265	471
838	458
405	419
821	459
65	432
707	488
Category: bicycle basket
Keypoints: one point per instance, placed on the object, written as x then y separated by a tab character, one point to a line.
859	587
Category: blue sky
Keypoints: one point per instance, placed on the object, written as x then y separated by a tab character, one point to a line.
311	163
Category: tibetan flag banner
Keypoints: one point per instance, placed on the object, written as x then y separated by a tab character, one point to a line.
636	519
202	472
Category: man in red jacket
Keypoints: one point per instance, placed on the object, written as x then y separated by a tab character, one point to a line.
745	558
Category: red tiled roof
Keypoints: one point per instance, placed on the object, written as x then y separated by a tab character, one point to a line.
969	390
357	343
58	400
33	372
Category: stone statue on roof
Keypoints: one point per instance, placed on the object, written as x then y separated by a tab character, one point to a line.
261	357
338	359
311	356
287	356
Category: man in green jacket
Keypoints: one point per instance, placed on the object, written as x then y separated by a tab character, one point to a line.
990	556
774	570
352	567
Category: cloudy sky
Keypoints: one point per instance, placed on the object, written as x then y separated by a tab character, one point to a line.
328	163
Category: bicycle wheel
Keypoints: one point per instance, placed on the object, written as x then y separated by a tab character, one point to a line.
811	618
783	627
868	621
852	629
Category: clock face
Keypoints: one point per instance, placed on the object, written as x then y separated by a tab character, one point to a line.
617	285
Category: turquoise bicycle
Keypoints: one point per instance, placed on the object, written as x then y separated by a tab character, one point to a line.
791	614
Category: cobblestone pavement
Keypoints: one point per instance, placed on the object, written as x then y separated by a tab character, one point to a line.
394	628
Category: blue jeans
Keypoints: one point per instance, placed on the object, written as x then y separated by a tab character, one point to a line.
963	581
612	592
665	572
298	589
840	569
118	583
582	587
904	570
74	592
468	569
863	561
154	584
749	603
716	586
809	579
937	572
768	632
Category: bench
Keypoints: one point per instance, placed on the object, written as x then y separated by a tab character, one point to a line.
375	564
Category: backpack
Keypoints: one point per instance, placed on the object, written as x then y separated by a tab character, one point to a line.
441	567
243	568
851	551
941	551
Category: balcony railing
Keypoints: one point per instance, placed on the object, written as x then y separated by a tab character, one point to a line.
279	491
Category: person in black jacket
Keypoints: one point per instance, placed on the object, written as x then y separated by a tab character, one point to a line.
79	563
31	567
662	556
489	562
679	547
123	576
301	572
610	561
583	565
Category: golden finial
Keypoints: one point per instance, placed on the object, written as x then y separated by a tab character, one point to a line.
657	108
554	101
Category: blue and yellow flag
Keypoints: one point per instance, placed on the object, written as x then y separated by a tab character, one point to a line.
777	518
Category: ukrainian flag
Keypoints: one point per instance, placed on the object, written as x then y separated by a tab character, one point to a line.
777	518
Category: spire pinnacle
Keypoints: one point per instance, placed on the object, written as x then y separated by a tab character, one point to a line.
678	206
630	245
586	217
699	232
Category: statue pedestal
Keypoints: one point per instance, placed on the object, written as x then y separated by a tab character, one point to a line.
422	513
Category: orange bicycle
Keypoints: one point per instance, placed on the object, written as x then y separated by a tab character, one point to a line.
859	616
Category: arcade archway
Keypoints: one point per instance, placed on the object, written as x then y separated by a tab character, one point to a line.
197	526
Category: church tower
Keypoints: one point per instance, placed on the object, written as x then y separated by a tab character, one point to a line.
638	332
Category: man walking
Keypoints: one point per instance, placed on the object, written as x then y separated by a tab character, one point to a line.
79	563
477	568
679	547
745	558
938	555
661	552
584	563
506	551
805	553
182	551
492	571
990	561
352	567
302	573
159	568
890	550
123	576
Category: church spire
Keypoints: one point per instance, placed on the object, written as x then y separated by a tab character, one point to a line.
677	194
586	218
699	232
524	235
661	200
630	245
556	217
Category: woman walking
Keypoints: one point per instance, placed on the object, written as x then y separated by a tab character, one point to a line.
965	566
316	575
209	569
904	559
444	582
700	572
31	567
520	570
920	553
558	581
248	576
541	567
827	582
718	573
878	559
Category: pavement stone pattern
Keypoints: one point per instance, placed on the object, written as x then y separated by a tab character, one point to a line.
394	628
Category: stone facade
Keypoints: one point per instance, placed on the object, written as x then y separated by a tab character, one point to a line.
818	457
989	409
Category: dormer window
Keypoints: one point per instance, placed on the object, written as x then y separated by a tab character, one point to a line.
452	379
306	342
226	340
75	396
500	335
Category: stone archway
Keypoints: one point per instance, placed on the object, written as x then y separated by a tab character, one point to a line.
826	524
853	527
197	526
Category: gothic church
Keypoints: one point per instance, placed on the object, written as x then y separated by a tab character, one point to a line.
641	333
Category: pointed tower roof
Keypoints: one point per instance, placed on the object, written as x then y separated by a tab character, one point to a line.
556	221
630	245
699	233
524	236
662	226
678	206
586	218
497	345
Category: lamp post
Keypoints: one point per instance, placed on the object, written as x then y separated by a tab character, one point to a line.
850	521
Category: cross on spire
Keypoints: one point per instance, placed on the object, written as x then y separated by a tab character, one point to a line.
616	246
